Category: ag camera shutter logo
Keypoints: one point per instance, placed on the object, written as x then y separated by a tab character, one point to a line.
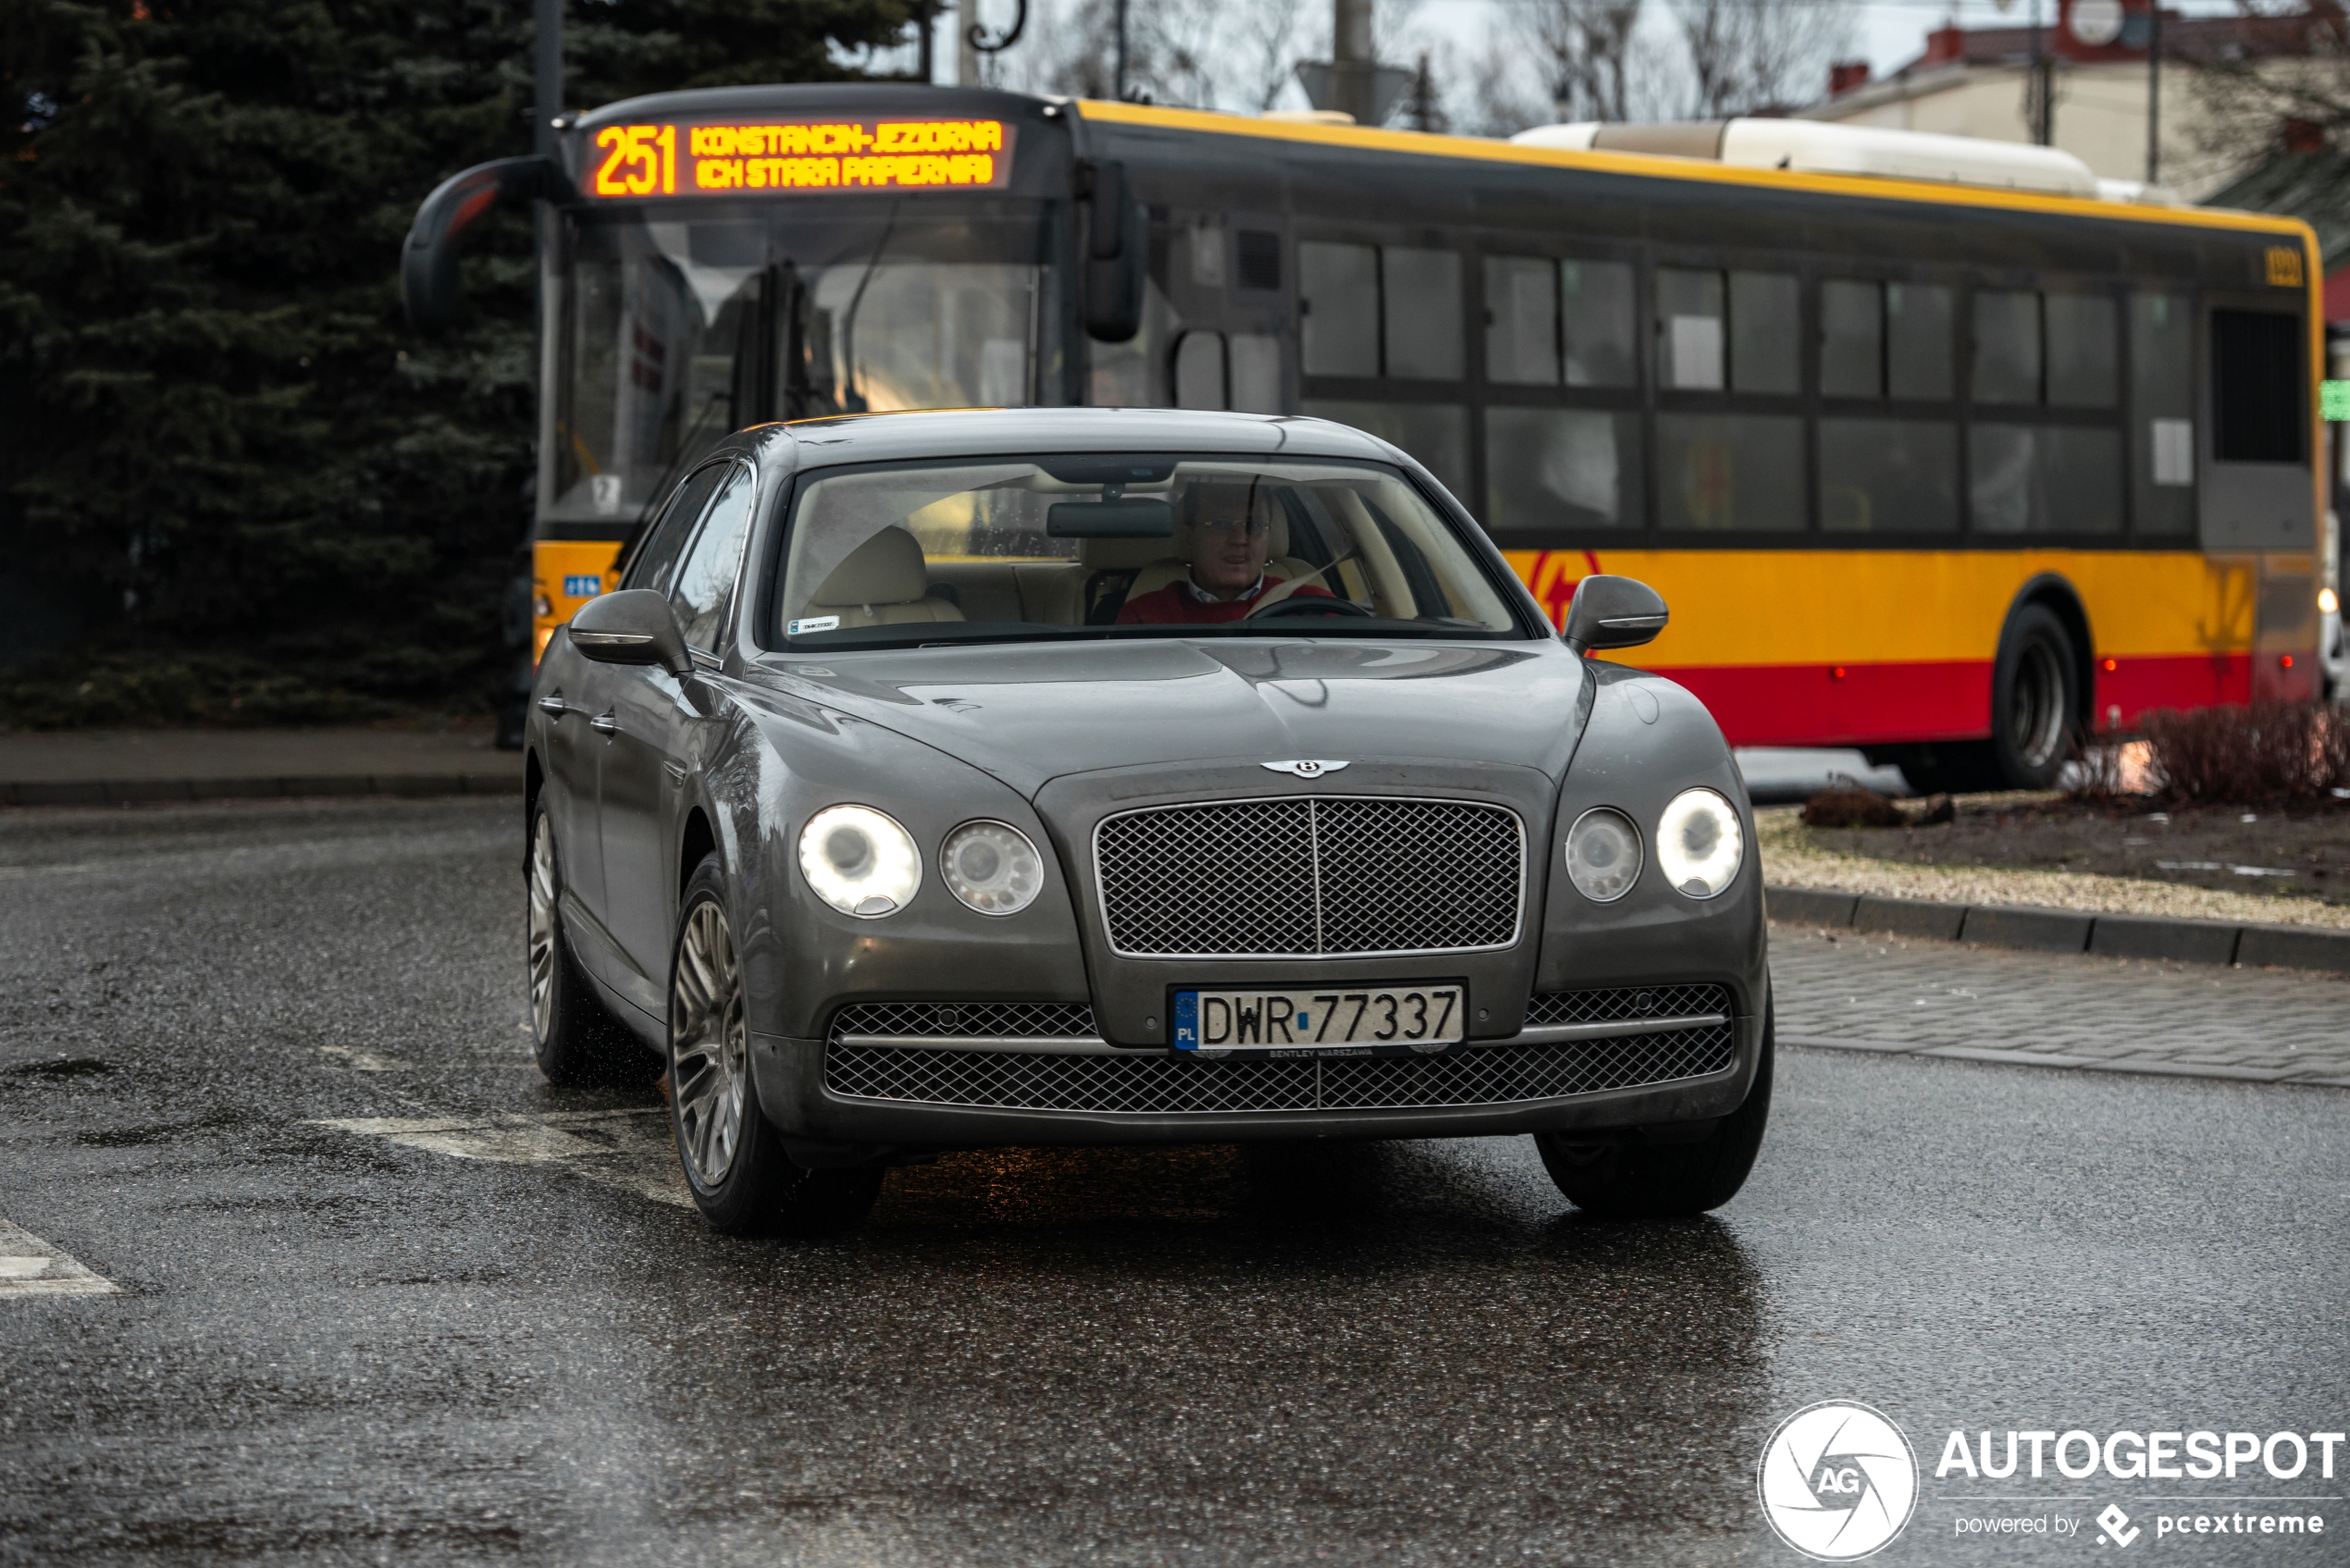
1838	1481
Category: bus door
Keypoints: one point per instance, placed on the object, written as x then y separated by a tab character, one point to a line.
2257	494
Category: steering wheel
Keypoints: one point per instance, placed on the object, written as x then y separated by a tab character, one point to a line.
1300	604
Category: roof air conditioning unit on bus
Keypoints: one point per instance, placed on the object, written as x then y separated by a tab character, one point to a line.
1810	147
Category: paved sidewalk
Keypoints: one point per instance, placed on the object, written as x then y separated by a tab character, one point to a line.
1855	991
78	768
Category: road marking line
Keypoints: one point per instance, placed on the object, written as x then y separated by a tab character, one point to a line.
31	1266
625	1150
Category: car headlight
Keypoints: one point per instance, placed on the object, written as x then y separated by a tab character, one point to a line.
992	868
1699	843
859	861
1603	855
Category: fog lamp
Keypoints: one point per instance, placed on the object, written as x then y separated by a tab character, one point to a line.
992	866
1603	855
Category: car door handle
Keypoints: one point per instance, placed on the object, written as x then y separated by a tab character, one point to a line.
604	724
554	703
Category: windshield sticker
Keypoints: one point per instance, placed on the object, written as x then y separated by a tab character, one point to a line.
813	624
680	159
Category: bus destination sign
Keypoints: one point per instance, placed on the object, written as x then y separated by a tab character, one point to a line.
678	158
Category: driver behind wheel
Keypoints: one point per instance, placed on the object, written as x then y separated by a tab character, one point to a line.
1224	533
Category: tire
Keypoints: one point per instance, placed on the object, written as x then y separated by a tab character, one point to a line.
734	1159
2036	700
576	1040
1665	1180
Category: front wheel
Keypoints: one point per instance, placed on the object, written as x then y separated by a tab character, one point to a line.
742	1180
1665	1180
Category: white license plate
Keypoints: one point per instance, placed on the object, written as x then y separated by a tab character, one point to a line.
1304	1020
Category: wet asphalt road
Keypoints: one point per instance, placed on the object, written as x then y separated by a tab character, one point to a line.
329	1344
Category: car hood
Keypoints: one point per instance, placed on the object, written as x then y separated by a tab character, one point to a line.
1030	713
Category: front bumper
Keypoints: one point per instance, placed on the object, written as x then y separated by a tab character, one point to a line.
794	1092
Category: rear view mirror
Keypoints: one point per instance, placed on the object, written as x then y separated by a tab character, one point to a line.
1110	520
1614	612
632	626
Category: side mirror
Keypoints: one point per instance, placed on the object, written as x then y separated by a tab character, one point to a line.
1116	253
428	260
632	626
1614	612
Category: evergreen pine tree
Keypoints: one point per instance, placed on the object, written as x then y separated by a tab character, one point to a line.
233	482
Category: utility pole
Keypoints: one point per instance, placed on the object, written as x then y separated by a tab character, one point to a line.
926	45
547	68
2039	95
2154	92
1351	60
1118	82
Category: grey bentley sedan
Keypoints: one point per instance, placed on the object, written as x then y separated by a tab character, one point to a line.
944	780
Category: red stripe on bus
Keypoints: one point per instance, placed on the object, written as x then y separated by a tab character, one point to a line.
1939	699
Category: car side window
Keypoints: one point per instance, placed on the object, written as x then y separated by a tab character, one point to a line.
669	531
704	581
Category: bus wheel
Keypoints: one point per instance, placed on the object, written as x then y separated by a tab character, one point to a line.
2036	700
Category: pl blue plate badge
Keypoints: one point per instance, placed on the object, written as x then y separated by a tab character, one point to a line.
1187	1020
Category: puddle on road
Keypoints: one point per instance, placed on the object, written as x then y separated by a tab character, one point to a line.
631	1151
31	1266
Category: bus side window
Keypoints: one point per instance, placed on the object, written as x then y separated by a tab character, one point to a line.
1422	304
2162	414
1199	370
2007	346
1766	314
1851	339
1521	321
2081	350
1338	295
1917	342
1688	330
1596	318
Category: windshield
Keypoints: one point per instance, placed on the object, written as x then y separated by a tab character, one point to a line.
676	328
1027	549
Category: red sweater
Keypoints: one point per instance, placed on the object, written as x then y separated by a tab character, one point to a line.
1179	604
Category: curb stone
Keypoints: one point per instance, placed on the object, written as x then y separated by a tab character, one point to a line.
123	792
2069	930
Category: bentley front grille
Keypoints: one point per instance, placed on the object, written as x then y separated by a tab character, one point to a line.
1316	876
1153	1083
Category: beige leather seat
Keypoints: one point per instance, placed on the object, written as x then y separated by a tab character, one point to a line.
884	582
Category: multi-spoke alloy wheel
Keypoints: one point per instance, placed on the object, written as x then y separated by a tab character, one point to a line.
710	1050
543	928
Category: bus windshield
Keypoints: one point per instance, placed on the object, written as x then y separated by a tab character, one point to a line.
1018	548
678	327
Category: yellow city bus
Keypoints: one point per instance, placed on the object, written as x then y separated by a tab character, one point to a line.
1943	472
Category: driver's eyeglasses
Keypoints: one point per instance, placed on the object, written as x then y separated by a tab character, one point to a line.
1248	528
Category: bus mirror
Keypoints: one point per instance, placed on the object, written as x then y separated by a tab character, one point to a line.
1116	253
429	261
1614	612
631	626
